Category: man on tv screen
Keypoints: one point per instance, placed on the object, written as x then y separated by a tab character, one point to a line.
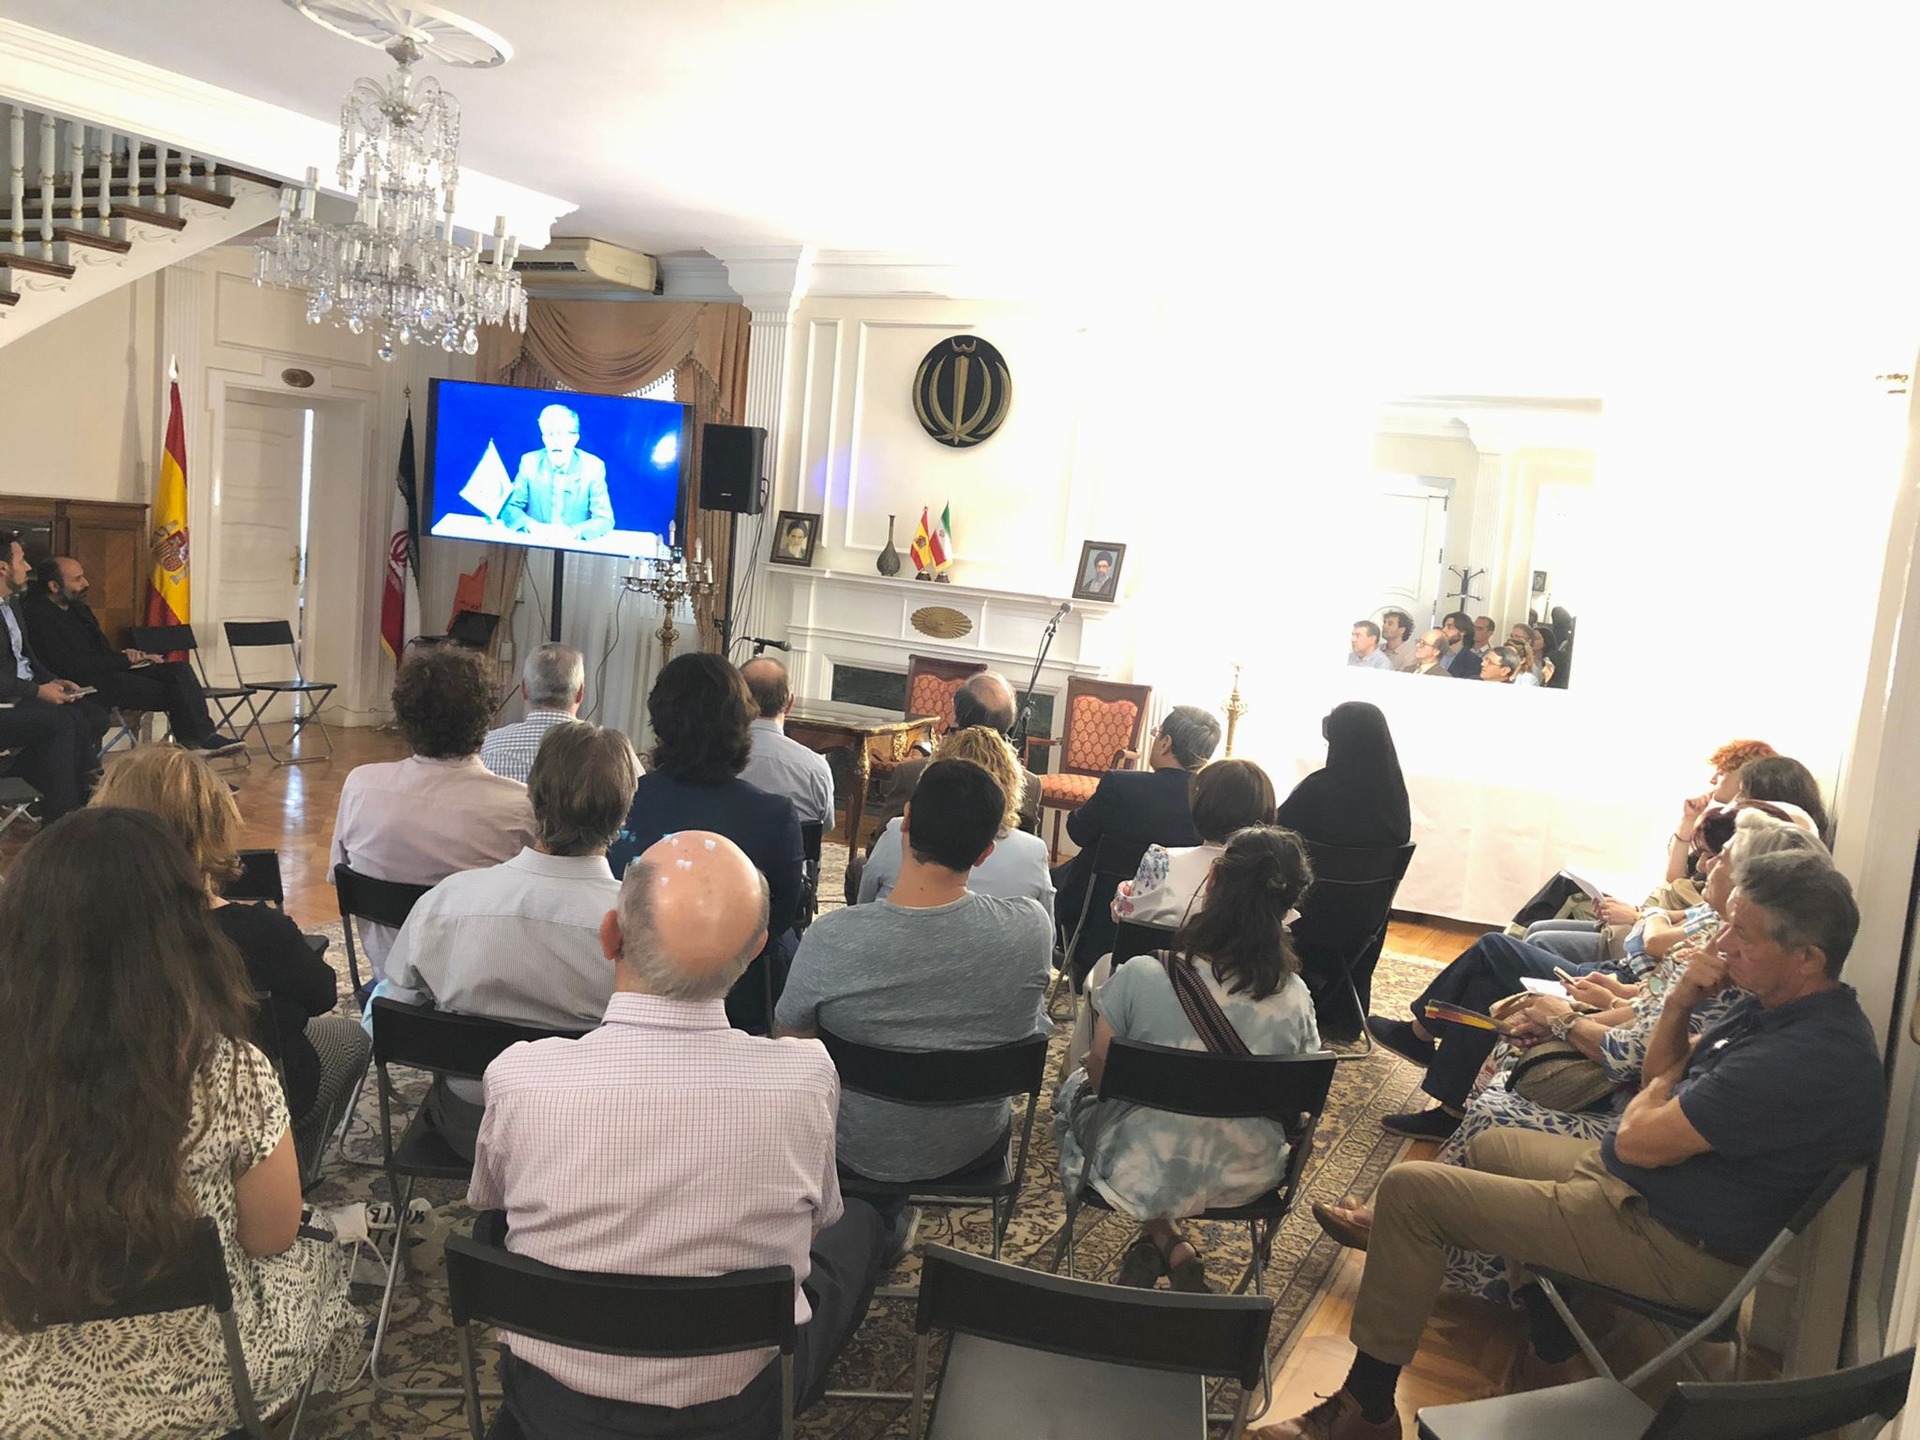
560	485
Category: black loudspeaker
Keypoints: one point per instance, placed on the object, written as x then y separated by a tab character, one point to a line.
732	459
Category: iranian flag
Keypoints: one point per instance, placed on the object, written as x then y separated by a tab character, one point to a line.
400	604
941	543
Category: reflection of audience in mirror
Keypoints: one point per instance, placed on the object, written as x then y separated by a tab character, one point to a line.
1518	636
1366	647
1396	634
1503	666
1561	626
1482	634
1456	629
1539	645
1429	654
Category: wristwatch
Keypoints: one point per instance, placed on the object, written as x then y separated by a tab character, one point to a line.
1561	1024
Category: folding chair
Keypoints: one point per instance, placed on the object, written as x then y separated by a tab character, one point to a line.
1114	859
122	728
1289	1089
1342	929
812	832
1035	1354
227	700
198	1280
1870	1394
275	635
1719	1326
447	1044
379	902
16	795
644	1316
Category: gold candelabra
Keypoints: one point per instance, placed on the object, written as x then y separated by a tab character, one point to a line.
670	579
1236	707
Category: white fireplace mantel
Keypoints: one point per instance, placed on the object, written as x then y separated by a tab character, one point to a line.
838	617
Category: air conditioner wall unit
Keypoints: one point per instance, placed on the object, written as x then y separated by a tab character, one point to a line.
571	266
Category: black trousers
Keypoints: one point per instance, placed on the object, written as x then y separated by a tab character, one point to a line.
845	1268
57	753
170	686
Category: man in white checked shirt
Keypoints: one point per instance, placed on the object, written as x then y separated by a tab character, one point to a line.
668	1143
554	682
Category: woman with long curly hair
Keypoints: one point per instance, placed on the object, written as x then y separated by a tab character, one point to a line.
132	1103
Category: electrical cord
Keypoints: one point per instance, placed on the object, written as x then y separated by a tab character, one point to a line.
600	671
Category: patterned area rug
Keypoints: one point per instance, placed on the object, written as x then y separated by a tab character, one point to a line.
1351	1154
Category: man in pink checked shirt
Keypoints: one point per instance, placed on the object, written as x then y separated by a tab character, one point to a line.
668	1143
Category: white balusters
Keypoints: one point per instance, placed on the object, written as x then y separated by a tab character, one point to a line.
160	152
103	204
48	170
76	169
17	175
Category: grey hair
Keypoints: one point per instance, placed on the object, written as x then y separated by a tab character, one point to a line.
1806	902
1193	733
553	675
554	411
644	958
1509	658
1756	833
580	787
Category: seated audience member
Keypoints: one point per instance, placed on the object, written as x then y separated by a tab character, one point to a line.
1429	654
521	941
702	738
778	765
1785	781
1520	636
69	641
131	1104
1501	665
1456	629
1366	651
1016	867
1726	1139
1561	627
40	714
734	1135
322	1054
1682	851
439	811
1483	628
1396	636
984	699
1358	800
1232	957
1538	646
931	967
553	682
1151	806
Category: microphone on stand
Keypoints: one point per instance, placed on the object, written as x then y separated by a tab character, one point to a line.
1018	735
760	645
1066	609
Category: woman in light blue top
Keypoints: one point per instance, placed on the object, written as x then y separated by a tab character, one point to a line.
1016	867
1158	1166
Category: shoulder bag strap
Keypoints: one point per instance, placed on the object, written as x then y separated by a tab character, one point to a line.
1203	1012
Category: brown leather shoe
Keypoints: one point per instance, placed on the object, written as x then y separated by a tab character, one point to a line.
1342	1227
1337	1417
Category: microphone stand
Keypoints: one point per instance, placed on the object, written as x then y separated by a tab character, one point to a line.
1018	735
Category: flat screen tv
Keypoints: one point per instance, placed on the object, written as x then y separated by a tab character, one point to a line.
553	469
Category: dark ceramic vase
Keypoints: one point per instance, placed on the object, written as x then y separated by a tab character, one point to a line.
889	562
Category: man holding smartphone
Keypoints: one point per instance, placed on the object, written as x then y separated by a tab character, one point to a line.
40	717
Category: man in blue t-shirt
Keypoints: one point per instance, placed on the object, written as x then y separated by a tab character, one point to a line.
1727	1138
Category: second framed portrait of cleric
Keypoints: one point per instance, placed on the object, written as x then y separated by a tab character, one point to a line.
794	537
1097	577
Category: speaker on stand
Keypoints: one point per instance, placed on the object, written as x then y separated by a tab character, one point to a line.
732	479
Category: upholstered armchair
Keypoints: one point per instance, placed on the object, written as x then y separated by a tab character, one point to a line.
1101	732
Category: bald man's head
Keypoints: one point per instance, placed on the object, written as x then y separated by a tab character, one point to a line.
693	914
767	682
986	699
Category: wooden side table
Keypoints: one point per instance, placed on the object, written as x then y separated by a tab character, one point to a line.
865	733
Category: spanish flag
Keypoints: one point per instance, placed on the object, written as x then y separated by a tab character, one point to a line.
922	550
167	586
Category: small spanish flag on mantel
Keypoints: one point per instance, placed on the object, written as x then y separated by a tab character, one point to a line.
922	549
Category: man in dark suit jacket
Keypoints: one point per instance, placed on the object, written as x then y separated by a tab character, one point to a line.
39	714
67	637
1150	807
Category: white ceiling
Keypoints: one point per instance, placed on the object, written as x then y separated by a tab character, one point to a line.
1478	156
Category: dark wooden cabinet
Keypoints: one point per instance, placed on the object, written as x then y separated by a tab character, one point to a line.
107	537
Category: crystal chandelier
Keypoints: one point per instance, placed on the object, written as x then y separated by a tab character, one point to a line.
396	266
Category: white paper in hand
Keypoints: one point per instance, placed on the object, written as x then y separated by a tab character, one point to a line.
1544	987
489	486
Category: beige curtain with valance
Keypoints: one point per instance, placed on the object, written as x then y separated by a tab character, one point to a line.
614	347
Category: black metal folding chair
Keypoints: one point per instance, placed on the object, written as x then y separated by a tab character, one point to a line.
278	635
1342	929
226	700
1035	1354
378	902
17	797
1868	1396
123	727
645	1316
1719	1326
1114	859
197	1280
446	1044
812	832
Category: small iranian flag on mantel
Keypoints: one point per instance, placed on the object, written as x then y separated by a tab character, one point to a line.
941	543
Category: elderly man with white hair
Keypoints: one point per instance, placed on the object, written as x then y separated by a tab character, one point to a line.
554	682
668	1143
560	486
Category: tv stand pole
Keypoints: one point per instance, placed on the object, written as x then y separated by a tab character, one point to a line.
559	589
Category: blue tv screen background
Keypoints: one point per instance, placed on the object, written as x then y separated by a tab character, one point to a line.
643	444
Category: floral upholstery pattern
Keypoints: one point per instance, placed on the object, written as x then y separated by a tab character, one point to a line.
933	695
1095	729
1067	792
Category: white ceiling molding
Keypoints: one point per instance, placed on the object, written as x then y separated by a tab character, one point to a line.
1496	423
50	72
770	279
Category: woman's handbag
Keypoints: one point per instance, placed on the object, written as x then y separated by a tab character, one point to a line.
1554	1074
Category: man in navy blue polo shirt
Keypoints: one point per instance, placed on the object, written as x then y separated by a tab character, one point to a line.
1725	1141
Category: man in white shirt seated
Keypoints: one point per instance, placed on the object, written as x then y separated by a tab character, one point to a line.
778	765
439	811
668	1143
553	682
521	941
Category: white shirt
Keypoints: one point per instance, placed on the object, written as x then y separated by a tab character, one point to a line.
1015	870
1167	886
419	820
519	941
22	666
509	751
782	766
663	1143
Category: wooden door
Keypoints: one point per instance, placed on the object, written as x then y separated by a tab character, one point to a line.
257	537
110	542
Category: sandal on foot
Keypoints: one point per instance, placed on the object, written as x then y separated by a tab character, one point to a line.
1190	1274
1141	1263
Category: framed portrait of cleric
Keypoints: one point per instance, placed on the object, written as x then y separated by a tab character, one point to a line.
794	537
1097	577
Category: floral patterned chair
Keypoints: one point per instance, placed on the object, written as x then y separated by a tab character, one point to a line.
1102	730
931	684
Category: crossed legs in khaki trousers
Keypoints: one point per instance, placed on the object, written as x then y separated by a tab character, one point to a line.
1532	1198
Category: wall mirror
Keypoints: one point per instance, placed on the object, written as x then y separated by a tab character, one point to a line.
1477	504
